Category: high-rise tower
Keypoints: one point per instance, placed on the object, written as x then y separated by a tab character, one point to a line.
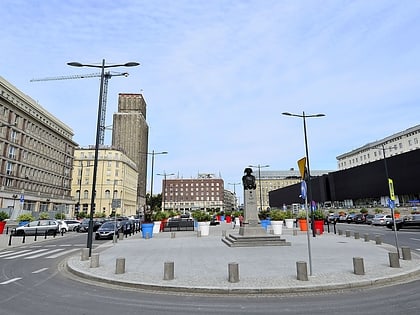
130	134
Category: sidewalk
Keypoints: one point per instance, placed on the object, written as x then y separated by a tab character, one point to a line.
201	263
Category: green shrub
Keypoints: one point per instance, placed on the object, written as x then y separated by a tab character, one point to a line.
44	216
277	215
3	216
25	217
201	216
60	216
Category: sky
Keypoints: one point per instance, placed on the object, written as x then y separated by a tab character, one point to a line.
218	74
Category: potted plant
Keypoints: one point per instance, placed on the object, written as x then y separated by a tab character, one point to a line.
159	218
289	219
228	217
277	218
3	217
24	218
303	222
203	219
264	217
319	218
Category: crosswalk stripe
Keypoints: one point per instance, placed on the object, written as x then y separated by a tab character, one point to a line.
40	270
13	253
44	253
26	254
63	253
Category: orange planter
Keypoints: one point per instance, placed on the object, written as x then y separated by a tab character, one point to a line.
303	224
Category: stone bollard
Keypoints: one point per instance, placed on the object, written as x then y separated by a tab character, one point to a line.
358	266
406	252
233	272
85	254
120	236
173	234
356	235
378	239
115	238
223	233
394	260
120	265
302	270
198	233
295	232
366	236
168	270
94	260
340	232
348	233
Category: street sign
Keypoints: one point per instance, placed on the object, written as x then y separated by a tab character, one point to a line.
391	203
391	189
22	198
116	203
302	167
303	189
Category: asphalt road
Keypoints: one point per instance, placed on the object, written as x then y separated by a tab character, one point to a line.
44	287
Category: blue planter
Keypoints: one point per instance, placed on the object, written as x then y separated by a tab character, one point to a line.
265	223
222	218
147	229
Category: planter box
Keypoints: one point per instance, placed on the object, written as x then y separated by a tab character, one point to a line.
204	228
277	227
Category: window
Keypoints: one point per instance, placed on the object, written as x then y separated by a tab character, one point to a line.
86	194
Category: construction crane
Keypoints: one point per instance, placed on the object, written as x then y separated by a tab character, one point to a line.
107	75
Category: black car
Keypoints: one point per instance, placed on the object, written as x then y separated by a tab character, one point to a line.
359	218
406	223
108	230
84	225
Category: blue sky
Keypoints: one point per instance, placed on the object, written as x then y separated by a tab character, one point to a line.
217	74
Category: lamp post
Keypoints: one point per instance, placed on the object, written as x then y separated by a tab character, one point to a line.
304	116
103	66
164	186
259	180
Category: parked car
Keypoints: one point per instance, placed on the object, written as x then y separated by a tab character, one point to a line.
108	230
359	218
40	227
332	217
63	227
407	222
72	224
350	218
381	219
369	218
84	225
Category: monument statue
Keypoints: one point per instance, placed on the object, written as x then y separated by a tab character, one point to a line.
248	180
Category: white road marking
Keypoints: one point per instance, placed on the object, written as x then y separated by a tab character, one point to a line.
44	253
63	253
13	253
40	270
26	254
10	281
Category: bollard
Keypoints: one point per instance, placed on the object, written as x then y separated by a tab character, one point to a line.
358	266
10	239
378	239
340	232
394	260
302	270
120	236
198	233
366	236
173	234
348	233
233	272
45	235
406	252
120	266
85	254
24	237
294	232
168	270
94	260
115	238
223	233
36	234
356	235
318	232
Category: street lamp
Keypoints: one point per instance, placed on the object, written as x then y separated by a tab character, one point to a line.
164	187
103	66
259	180
304	116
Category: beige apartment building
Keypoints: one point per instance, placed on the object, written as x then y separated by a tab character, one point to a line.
401	142
116	181
182	194
36	156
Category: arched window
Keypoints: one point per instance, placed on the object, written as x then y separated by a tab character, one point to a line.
86	194
107	194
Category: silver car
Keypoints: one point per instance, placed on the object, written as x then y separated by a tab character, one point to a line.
39	227
381	219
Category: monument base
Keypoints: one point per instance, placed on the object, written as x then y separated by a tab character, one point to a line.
253	236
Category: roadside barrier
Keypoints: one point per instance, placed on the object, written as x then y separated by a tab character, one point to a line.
406	252
358	266
168	270
233	272
302	270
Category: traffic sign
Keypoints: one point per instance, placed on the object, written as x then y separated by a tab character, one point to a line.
302	167
391	189
303	189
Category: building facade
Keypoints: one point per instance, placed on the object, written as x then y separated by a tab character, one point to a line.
36	151
204	192
272	180
401	142
116	181
130	134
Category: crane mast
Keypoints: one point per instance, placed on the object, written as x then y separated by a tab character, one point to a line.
107	75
